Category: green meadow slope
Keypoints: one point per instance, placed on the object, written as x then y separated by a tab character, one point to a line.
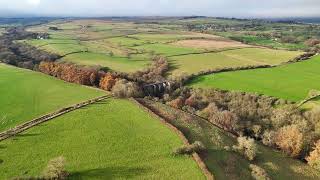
113	139
25	95
195	63
292	82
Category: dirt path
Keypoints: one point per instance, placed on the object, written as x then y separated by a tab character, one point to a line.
27	125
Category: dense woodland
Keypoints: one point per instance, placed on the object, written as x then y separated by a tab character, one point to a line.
22	55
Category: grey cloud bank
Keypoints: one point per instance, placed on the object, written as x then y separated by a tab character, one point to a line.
228	8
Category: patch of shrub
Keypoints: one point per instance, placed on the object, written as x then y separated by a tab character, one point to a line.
290	140
268	138
177	103
314	157
107	82
247	147
258	173
55	169
197	146
152	74
312	42
126	89
225	119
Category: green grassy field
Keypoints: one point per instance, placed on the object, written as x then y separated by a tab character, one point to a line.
230	58
227	164
166	49
126	41
269	42
160	38
101	141
122	64
25	95
292	82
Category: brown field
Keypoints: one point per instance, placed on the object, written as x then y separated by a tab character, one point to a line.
210	44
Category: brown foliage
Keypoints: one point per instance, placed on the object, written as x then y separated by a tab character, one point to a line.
314	157
55	169
70	73
247	147
126	89
290	140
153	73
177	103
197	146
225	119
258	173
107	82
312	42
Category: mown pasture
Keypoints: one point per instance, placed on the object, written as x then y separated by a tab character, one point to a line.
292	81
25	95
101	141
166	49
121	64
225	164
230	58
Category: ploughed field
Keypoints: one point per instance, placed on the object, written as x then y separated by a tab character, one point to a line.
129	47
292	81
26	94
101	141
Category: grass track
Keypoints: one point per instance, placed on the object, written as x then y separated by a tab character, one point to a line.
292	82
25	95
101	141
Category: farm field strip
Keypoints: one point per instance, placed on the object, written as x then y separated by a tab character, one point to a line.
231	58
112	142
291	81
121	64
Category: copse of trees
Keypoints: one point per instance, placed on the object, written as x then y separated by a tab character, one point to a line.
275	122
153	73
71	73
21	54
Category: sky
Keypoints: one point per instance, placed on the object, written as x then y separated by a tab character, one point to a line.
217	8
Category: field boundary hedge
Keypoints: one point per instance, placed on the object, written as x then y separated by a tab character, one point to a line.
195	155
27	125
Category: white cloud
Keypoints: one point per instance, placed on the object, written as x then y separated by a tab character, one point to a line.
34	2
235	8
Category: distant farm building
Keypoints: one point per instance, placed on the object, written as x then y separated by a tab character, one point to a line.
43	36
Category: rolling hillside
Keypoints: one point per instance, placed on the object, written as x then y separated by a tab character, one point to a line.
25	95
102	141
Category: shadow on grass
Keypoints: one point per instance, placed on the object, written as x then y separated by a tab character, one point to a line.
109	173
18	136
